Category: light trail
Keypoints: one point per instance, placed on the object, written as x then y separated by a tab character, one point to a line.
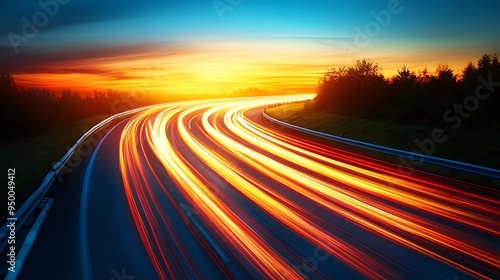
224	162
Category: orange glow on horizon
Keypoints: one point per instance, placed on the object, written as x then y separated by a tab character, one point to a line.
220	68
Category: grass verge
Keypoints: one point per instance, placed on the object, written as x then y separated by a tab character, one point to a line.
33	157
476	147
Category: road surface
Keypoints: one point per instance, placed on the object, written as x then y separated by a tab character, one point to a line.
211	190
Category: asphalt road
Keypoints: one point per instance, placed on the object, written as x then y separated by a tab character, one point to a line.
211	190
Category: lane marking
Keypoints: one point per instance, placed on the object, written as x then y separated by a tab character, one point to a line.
84	246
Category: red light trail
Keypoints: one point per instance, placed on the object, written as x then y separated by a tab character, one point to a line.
435	217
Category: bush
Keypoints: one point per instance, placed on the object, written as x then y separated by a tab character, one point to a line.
361	90
355	90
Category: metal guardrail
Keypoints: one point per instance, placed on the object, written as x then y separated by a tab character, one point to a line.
462	166
34	199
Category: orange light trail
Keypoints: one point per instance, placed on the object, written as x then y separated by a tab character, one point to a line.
426	214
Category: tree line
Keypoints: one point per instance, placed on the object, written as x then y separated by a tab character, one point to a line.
358	90
27	112
422	98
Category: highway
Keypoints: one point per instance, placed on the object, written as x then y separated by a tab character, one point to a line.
212	190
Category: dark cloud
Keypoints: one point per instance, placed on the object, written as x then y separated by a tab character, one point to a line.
35	60
77	12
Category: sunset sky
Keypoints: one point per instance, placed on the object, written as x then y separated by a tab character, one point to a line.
196	46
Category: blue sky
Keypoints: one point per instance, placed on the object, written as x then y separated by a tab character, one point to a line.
314	34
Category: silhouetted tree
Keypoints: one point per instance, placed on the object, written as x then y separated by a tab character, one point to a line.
469	72
445	74
416	99
495	64
424	77
488	65
7	84
359	90
356	90
31	111
484	63
405	80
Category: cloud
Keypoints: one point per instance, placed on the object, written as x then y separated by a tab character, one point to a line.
76	12
36	59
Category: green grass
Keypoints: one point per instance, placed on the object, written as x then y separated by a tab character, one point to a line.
476	147
33	157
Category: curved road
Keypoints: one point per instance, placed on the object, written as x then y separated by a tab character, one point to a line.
211	190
